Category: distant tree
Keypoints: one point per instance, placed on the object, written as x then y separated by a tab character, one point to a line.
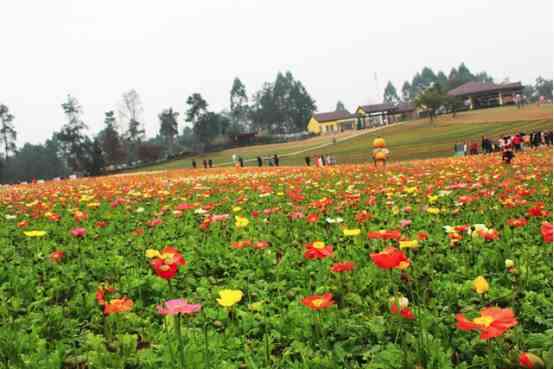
239	104
110	140
72	137
483	77
263	112
453	104
208	126
431	100
407	92
148	152
196	107
301	107
340	106
391	96
186	138
169	127
96	162
442	80
130	112
543	87
529	92
8	135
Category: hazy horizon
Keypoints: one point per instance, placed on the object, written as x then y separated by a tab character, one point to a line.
96	51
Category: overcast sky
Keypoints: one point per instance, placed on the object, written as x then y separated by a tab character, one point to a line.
166	50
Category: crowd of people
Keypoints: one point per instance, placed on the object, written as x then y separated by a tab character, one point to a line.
508	145
320	160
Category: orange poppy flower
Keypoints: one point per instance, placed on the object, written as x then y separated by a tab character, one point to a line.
389	258
118	306
318	302
517	222
492	323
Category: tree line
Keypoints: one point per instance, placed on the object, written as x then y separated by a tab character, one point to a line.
281	106
428	89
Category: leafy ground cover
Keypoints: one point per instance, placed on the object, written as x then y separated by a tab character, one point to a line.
440	263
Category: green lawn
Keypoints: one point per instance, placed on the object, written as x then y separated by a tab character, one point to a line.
416	139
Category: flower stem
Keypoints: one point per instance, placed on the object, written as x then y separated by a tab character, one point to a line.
180	340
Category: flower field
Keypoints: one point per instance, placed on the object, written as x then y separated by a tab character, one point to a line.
443	263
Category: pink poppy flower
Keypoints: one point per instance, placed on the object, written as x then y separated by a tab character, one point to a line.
78	232
178	306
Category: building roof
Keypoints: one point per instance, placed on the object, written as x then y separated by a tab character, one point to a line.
375	108
405	107
475	87
332	115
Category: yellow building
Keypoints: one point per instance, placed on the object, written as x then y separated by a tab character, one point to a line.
331	122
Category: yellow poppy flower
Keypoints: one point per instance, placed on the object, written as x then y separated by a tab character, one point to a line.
412	244
480	285
433	210
151	253
228	298
241	222
35	233
351	232
237	208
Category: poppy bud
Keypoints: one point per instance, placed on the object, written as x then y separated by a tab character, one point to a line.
529	360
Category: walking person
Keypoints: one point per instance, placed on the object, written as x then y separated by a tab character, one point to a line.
210	163
260	161
241	162
205	164
193	164
275	160
307	160
507	153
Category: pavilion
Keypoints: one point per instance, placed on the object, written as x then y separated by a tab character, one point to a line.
486	94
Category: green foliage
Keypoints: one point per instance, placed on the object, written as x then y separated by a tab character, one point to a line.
390	95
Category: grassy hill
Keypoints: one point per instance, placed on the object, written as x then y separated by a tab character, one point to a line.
408	140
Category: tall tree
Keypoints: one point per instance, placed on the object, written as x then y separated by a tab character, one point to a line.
169	127
543	87
72	137
239	104
196	107
96	161
8	135
340	106
431	100
391	96
110	140
208	126
407	92
130	113
263	112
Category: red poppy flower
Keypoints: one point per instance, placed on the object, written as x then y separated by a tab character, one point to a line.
363	216
318	302
546	231
538	211
117	202
492	323
78	232
488	235
345	266
312	218
318	250
168	264
22	224
389	258
163	270
154	222
517	222
384	235
56	256
405	313
101	224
